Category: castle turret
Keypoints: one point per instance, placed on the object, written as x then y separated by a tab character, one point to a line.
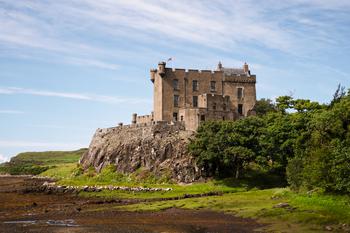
161	68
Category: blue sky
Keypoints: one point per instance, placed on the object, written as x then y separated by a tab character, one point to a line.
68	67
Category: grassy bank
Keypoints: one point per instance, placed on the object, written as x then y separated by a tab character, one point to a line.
306	213
34	163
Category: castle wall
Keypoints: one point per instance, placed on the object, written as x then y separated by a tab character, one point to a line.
158	97
144	119
248	99
185	89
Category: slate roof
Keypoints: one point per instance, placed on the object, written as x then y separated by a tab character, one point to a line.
230	71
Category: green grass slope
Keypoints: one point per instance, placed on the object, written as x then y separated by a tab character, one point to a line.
34	163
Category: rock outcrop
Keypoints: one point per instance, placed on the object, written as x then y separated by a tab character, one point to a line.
159	148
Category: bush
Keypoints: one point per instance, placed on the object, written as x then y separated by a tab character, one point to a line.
295	173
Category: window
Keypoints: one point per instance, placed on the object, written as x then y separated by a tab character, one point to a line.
176	101
202	117
194	85
240	109
212	86
239	92
176	84
175	116
195	101
224	107
182	118
214	106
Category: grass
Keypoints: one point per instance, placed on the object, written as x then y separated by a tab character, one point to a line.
34	163
252	196
60	171
109	176
312	213
49	157
177	191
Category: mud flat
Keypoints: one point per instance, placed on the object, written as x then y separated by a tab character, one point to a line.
38	212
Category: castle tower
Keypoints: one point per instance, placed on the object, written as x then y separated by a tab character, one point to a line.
193	96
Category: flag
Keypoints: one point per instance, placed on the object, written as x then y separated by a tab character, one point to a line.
170	59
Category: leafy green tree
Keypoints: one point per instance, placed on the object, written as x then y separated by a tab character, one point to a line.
309	147
237	158
284	102
264	106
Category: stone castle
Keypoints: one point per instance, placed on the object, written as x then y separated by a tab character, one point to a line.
190	97
156	143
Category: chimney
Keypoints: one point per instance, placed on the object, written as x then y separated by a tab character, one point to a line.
246	68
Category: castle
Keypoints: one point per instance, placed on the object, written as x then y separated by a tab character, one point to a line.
190	97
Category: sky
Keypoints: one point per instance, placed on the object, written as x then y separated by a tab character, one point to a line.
69	67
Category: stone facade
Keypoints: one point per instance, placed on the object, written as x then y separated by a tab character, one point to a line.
194	96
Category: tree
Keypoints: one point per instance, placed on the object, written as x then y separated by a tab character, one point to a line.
264	106
338	94
237	157
284	102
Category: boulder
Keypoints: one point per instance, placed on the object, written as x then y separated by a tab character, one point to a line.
160	149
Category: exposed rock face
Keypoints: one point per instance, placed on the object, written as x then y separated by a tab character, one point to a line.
160	148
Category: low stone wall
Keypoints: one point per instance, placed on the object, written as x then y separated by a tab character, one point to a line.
53	188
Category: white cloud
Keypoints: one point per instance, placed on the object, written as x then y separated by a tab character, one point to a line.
10	111
91	62
54	25
77	96
3	158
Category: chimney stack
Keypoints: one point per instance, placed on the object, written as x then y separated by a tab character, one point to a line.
246	68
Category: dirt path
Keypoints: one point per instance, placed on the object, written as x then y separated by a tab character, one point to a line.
66	213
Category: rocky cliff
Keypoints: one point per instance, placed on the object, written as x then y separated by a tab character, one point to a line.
160	148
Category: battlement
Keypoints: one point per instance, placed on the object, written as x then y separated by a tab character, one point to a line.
240	78
174	126
192	71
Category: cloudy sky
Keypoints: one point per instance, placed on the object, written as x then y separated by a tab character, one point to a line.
68	67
